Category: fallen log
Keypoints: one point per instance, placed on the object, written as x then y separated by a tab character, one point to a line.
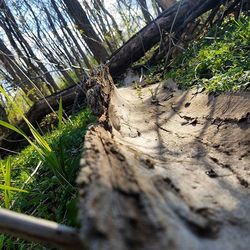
171	20
165	171
73	98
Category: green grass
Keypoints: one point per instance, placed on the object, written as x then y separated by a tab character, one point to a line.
40	145
6	187
220	61
46	197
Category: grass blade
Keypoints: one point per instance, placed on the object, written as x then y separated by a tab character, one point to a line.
4	187
60	114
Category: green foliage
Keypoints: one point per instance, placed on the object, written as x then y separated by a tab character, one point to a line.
49	122
220	61
22	101
63	83
46	197
41	146
138	89
6	173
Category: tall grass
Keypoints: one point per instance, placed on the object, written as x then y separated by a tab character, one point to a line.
6	172
40	145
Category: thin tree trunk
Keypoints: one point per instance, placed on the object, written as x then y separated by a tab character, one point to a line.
18	73
72	36
114	23
13	28
145	11
88	33
60	40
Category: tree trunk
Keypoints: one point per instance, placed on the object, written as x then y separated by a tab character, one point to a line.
180	13
13	30
114	23
65	26
88	33
145	11
58	37
165	174
18	73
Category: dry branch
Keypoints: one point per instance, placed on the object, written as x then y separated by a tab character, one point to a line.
39	230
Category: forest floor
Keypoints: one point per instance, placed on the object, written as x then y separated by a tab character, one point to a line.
173	168
187	150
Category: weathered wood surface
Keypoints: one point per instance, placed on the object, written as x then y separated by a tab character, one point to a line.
168	171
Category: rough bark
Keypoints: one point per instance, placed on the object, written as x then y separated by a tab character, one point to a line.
173	19
163	172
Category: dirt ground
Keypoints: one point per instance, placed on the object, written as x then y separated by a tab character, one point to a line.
173	170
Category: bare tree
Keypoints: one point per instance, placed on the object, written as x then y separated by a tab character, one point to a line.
145	11
88	33
11	28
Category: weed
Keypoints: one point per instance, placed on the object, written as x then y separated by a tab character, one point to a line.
138	89
44	150
220	61
6	172
46	198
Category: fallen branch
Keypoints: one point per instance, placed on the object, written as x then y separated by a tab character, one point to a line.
39	230
183	12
